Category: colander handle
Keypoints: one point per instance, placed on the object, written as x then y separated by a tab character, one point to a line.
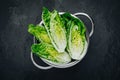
84	14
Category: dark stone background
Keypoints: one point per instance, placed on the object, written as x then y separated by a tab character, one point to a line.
102	61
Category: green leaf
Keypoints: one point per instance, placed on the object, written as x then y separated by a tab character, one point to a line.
46	17
48	52
55	28
39	32
75	35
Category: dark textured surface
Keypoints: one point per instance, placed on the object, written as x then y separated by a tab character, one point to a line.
102	61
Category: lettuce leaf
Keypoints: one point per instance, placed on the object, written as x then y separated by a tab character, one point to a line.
48	52
39	32
75	35
55	28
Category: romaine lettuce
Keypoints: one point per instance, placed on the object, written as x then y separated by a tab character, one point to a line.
39	32
48	52
75	35
55	28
